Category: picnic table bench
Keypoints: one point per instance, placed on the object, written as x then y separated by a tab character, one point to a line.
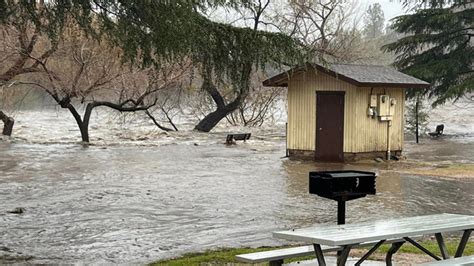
237	136
277	256
350	235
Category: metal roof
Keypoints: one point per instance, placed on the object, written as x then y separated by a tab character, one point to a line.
359	75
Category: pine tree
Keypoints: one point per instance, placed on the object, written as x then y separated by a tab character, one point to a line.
416	116
438	48
374	21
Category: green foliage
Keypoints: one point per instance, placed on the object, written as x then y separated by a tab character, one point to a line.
437	49
410	117
152	32
432	3
48	18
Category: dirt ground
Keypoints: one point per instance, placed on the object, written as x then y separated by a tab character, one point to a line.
451	171
405	259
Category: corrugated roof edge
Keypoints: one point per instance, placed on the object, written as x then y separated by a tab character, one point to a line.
281	80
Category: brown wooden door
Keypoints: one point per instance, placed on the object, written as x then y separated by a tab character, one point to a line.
329	126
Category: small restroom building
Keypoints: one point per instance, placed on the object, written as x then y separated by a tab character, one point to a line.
341	112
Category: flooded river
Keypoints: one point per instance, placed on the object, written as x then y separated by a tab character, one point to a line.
136	202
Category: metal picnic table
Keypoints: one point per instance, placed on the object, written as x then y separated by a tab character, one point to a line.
350	235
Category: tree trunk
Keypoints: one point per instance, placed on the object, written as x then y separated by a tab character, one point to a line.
153	119
212	119
83	124
84	132
416	118
8	123
222	110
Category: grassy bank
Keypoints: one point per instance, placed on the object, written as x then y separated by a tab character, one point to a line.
227	256
456	171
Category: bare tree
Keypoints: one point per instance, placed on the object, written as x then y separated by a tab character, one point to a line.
21	52
259	106
240	91
168	107
90	74
326	27
8	121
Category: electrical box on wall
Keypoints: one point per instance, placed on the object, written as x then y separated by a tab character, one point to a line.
383	105
373	100
393	102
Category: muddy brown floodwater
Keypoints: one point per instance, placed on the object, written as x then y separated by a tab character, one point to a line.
138	195
136	204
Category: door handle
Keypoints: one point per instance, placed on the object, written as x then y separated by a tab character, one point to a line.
320	128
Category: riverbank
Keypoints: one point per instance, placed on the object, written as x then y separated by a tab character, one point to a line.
408	255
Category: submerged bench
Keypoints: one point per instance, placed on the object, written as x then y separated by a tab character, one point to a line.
469	260
276	257
438	131
239	136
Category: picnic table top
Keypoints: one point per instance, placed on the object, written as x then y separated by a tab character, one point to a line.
338	235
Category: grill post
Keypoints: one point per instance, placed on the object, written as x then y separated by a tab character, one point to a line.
342	186
341	212
341	219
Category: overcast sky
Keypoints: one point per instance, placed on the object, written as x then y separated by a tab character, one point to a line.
391	9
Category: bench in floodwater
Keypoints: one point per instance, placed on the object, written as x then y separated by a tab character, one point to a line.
231	138
438	131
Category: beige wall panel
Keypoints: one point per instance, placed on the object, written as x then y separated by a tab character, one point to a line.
371	134
361	133
302	106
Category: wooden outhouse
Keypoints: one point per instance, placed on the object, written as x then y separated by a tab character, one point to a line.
341	112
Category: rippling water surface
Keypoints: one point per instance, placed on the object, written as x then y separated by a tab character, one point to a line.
139	203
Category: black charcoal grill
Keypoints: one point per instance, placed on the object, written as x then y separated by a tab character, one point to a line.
342	186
